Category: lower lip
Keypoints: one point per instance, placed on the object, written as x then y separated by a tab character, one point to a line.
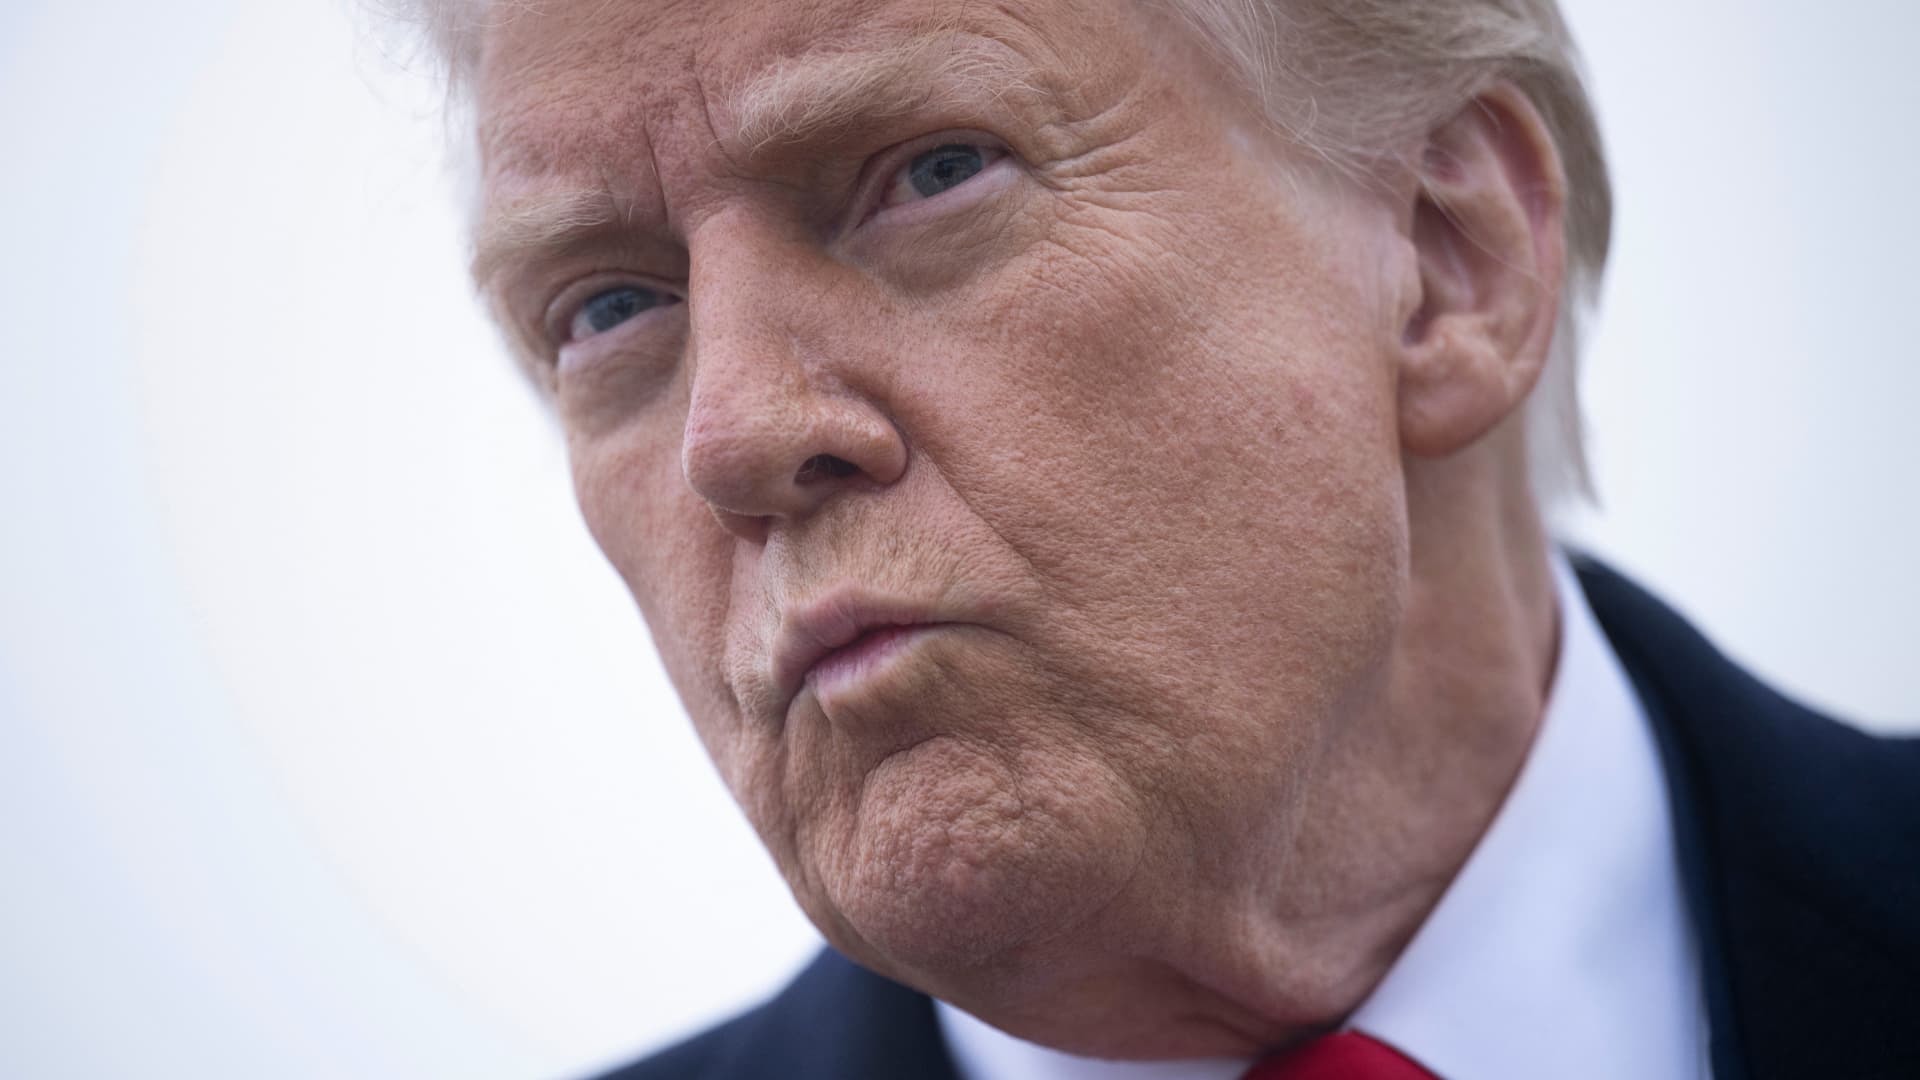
864	656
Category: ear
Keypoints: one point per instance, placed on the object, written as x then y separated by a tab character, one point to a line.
1486	226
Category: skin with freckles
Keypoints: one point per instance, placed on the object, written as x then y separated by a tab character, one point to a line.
1200	472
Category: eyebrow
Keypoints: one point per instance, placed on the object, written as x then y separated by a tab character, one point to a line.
547	223
823	93
797	101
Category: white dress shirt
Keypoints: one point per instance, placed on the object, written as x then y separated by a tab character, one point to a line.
1562	949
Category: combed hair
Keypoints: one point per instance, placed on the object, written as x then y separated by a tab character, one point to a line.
1358	84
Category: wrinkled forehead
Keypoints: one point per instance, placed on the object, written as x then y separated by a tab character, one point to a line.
576	85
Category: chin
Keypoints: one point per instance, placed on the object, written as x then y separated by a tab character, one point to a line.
961	860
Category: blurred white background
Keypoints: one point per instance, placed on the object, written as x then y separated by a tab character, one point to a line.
330	748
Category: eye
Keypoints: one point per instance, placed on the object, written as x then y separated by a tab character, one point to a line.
609	308
938	171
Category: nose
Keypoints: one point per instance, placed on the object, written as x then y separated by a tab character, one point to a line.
778	423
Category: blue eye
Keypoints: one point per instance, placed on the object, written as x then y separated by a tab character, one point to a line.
945	168
940	170
605	310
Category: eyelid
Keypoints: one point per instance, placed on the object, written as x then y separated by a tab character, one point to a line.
557	321
888	164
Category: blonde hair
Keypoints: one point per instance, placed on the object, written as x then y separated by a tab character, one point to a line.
1355	82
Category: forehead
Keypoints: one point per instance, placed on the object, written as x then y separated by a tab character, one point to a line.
588	86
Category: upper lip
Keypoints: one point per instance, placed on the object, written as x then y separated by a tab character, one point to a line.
812	630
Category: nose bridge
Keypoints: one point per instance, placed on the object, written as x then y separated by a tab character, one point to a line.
743	258
749	295
773	427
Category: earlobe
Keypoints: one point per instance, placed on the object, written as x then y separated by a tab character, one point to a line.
1485	222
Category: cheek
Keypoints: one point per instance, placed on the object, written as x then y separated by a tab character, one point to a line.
676	562
1189	437
1152	376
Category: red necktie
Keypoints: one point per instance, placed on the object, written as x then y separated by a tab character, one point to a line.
1348	1055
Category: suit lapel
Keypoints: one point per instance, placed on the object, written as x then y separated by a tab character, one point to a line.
1800	841
839	1021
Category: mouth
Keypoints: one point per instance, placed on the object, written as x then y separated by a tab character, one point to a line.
863	655
842	638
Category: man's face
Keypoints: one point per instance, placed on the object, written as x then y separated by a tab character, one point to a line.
1004	325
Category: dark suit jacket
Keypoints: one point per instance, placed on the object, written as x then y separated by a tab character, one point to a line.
1800	845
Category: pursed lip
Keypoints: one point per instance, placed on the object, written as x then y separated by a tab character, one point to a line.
812	631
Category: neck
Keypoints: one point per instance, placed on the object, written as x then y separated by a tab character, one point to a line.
1405	792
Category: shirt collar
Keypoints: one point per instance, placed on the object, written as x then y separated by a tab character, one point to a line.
1562	948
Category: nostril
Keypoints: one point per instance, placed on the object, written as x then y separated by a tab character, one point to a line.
824	467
